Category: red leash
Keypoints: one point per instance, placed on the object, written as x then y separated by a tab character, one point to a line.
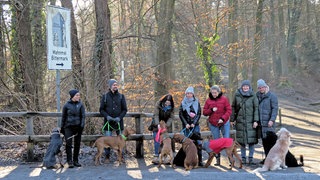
158	134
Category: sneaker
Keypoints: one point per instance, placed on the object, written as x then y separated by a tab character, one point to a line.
77	164
251	162
244	161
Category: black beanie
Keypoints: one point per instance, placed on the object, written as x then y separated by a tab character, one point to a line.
73	92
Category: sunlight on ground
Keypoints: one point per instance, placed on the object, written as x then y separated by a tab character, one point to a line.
136	174
36	172
8	170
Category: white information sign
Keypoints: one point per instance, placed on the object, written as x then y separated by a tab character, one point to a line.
58	38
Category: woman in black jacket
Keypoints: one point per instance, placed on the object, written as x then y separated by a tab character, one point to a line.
190	113
73	120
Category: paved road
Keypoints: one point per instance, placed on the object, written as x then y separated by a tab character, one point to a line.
140	169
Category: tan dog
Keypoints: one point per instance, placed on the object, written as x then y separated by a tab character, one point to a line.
166	141
230	151
277	154
114	142
190	149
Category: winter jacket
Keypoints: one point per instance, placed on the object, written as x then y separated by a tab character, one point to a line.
114	105
245	113
223	109
73	114
160	114
268	111
186	119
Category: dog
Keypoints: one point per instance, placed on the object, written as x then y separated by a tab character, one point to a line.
190	149
53	150
277	154
165	140
181	155
114	142
271	140
213	147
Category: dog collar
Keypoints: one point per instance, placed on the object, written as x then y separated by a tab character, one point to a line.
124	137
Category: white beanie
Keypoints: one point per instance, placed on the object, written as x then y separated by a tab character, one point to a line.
190	90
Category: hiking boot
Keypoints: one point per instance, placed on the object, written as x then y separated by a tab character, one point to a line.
70	164
251	161
218	160
244	161
77	164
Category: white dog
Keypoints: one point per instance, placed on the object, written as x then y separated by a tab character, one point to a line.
277	154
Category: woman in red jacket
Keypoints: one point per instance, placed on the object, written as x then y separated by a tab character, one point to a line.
218	108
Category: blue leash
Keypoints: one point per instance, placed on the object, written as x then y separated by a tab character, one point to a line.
184	131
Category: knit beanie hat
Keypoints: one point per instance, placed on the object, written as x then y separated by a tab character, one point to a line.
261	83
246	82
73	92
111	82
215	87
206	147
190	90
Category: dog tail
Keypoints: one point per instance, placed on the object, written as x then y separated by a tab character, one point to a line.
301	160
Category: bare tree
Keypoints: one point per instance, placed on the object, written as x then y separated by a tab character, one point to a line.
164	17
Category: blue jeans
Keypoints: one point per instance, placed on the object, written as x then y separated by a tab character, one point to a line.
215	130
156	144
243	150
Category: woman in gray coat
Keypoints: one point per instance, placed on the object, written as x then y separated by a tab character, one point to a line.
245	118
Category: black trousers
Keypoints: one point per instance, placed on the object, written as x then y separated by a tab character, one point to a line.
69	132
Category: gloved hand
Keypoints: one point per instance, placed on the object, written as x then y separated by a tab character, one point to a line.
109	118
117	119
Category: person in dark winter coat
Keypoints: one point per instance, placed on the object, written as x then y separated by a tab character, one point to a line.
73	121
268	111
190	114
164	110
245	117
218	108
113	107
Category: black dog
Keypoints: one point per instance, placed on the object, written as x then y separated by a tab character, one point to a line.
270	141
180	156
49	160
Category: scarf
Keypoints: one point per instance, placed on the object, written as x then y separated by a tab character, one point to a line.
248	93
188	102
166	108
159	133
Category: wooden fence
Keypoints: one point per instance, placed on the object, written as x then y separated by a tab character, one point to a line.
31	138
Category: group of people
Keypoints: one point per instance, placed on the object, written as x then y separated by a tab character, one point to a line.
248	112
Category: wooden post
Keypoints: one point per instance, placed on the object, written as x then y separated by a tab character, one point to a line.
29	132
280	120
139	143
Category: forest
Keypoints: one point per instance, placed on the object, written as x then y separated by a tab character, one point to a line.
154	47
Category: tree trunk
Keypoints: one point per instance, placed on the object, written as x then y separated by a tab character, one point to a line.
257	45
163	41
272	43
25	56
39	52
2	46
294	12
282	43
232	40
103	46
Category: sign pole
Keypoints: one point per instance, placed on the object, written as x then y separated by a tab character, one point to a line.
58	95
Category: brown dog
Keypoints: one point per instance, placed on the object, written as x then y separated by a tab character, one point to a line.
228	144
114	142
166	141
190	149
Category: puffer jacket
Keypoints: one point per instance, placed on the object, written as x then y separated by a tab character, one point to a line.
73	114
186	119
268	111
245	113
160	114
114	105
223	109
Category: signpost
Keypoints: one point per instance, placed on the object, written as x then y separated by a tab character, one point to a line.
58	44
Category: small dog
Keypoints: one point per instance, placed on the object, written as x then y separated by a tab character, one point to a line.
49	160
277	154
114	142
165	140
190	149
214	147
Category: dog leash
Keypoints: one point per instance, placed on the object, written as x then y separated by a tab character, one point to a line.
109	126
184	131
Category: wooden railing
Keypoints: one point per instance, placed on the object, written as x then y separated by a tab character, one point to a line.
31	138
